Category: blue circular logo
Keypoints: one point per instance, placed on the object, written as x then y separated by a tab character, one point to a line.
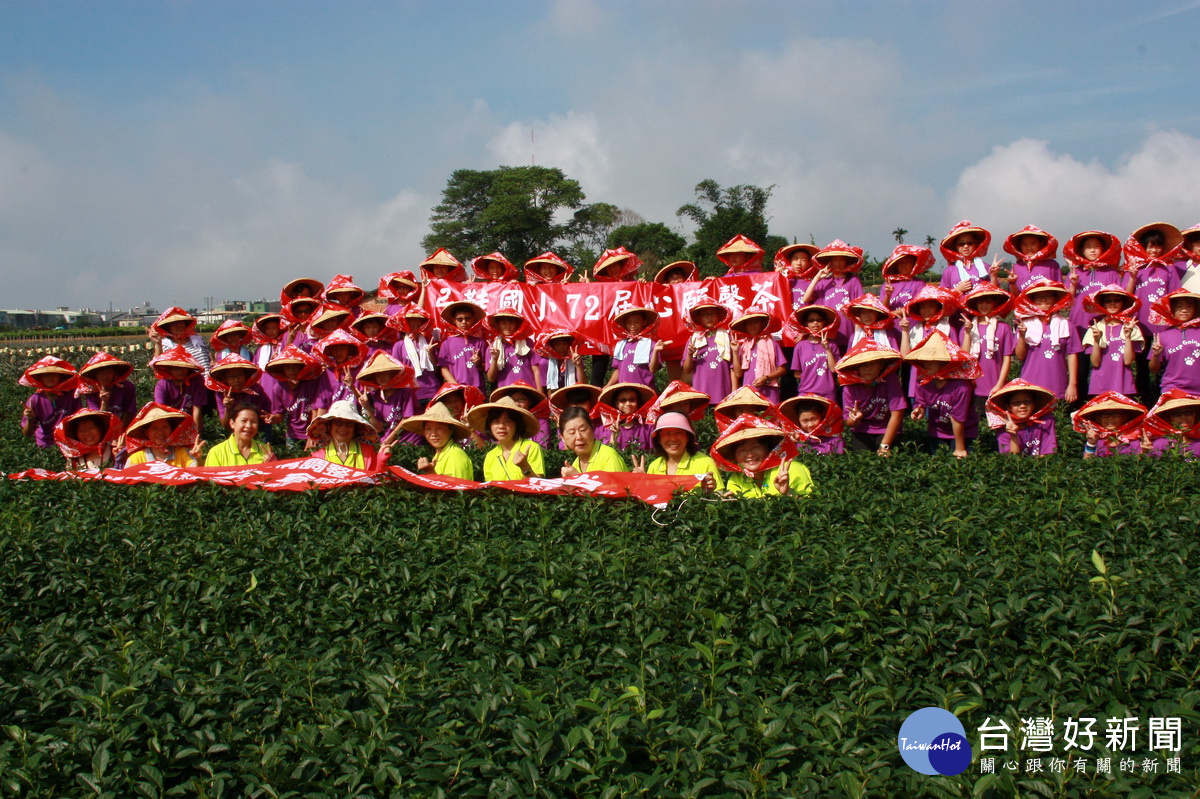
932	741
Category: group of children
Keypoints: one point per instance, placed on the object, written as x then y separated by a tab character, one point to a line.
335	375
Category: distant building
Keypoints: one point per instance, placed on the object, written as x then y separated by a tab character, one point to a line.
62	317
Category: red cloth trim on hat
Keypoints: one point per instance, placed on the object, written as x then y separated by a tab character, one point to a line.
885	321
631	264
534	278
948	299
87	385
799	331
457	273
783	264
1160	311
674	387
1092	305
832	422
856	263
1136	257
785	448
924	261
961	366
232	359
229	324
541	341
389	292
509	274
471	395
1048	251
176	353
335	338
184	434
310	366
290	317
1158	426
770	413
259	337
986	289
848	378
399	321
403	375
175	311
1109	259
952	256
753	263
998	416
693	273
525	328
1023	307
73	448
1130	431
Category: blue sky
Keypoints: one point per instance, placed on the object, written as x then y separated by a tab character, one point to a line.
172	151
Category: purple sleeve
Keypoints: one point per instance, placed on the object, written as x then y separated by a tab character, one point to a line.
779	359
161	389
1006	343
895	393
963	402
798	355
1074	347
947	280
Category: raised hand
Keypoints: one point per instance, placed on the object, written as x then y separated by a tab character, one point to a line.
918	413
708	482
424	465
639	463
781	477
1157	347
855	416
519	460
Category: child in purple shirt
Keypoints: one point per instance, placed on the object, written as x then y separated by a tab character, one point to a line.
385	392
296	392
104	385
1024	415
1095	259
1047	345
872	396
180	383
964	248
1150	254
510	355
1173	424
461	353
817	423
417	351
635	354
901	271
945	394
815	353
1034	250
623	409
837	282
1112	425
1176	350
992	339
759	361
1112	340
54	381
708	360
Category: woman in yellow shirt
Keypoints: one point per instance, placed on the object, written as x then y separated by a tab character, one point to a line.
162	434
675	442
242	448
748	448
441	430
516	456
579	436
346	433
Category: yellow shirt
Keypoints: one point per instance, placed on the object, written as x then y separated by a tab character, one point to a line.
603	459
356	458
180	456
497	467
690	463
227	454
453	462
799	482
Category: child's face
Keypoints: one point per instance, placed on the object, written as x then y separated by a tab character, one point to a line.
808	420
755	327
707	318
158	432
440	270
838	264
291	371
673	442
234	338
868	316
985	305
1020	405
751	454
493	269
870	371
1029	245
416	323
342	430
734	411
675	276
104	375
236	378
51	379
326	327
1179	418
437	434
371	328
545	271
463	320
1110	420
339	353
270	328
627	400
927	308
1042	300
507	325
965	244
302	312
1113	305
454	403
634	323
522	399
1183	308
929	367
736	260
303	290
799	260
88	432
1153	249
176	329
1092	248
561	347
503	427
177	373
906	265
1191	246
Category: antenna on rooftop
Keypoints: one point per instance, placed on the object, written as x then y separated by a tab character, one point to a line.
532	149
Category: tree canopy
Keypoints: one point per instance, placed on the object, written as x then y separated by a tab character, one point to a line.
720	214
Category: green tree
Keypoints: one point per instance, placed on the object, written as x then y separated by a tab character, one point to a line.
655	243
519	211
720	214
898	234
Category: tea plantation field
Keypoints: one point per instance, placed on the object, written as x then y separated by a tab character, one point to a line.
373	642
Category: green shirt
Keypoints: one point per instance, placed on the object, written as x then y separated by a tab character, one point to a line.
690	463
603	459
497	467
453	462
799	482
227	454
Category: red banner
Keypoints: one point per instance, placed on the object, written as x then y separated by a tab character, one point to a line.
303	474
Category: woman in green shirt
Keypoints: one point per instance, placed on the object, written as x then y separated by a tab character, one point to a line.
440	430
516	456
579	436
243	447
675	442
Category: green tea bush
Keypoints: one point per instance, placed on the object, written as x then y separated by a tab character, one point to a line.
157	641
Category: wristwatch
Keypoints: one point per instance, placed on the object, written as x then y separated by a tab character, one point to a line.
885	447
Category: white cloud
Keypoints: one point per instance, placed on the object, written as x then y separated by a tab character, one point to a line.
1025	182
572	143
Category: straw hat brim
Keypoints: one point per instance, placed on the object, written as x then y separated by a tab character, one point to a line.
1108	406
439	413
948	241
1044	396
649	312
726	447
822	256
870	356
689	399
932	349
744	396
51	370
1177	403
118	364
695	310
1171	234
739	246
448	312
175	417
478	416
507	391
609	395
559	397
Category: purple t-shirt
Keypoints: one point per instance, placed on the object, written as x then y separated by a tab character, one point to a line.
953	400
711	373
48	411
1091	281
122	400
634	435
823	445
1161	445
1037	438
192	393
816	375
294	403
876	402
428	382
1181	358
771	392
455	354
626	369
1004	342
393	409
1150	285
253	395
1112	374
1024	275
902	292
516	368
1046	361
833	292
